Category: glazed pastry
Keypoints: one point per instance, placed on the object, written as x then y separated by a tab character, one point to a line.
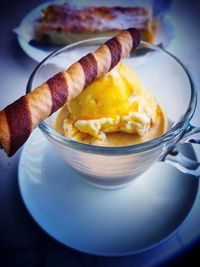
18	120
64	24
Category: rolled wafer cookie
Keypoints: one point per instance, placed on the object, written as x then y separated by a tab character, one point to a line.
20	118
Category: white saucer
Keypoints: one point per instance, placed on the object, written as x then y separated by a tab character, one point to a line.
102	222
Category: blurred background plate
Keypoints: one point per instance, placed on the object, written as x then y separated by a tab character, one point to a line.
163	35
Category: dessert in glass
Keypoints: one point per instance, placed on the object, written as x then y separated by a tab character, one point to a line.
126	105
116	163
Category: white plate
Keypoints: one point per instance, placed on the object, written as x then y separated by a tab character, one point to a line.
25	30
102	222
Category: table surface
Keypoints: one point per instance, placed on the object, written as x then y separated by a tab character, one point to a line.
22	242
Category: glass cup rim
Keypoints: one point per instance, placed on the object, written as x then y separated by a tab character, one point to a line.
181	125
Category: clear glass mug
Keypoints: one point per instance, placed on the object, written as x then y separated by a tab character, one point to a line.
172	85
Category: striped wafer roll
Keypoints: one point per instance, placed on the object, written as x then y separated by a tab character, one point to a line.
18	120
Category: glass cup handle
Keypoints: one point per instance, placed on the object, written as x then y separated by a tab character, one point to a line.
175	158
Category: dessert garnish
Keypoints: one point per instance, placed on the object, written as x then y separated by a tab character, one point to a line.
20	118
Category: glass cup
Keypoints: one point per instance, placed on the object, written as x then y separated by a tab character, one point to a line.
171	84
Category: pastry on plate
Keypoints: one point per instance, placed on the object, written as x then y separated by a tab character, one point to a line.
64	24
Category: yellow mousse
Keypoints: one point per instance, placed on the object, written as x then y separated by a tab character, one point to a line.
116	103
